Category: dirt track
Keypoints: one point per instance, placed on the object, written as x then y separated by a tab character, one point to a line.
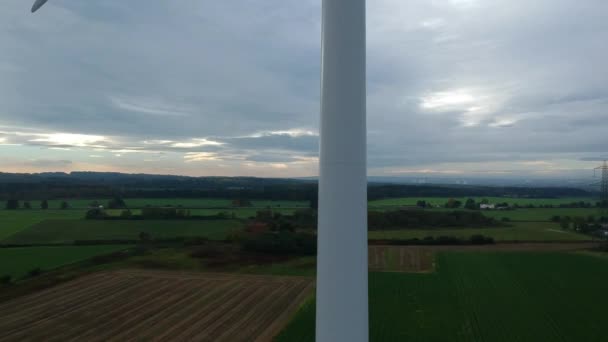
157	306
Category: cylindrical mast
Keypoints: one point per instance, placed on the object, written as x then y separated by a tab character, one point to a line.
342	288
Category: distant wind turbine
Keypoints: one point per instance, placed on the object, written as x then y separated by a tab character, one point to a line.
342	285
38	4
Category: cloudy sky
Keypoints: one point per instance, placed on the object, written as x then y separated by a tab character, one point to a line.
201	87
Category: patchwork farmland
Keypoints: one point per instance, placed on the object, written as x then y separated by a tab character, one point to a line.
156	305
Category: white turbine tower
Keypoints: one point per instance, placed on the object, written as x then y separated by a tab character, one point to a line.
342	291
342	297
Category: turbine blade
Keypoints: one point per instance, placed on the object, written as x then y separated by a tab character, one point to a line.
38	4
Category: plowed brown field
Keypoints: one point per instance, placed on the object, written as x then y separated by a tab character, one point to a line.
156	306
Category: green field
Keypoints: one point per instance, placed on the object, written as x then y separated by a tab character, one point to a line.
66	231
511	200
16	262
541	214
13	221
485	297
521	231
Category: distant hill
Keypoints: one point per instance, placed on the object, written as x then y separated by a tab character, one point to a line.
108	184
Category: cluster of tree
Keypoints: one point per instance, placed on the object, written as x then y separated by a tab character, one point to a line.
587	225
580	204
154	213
471	204
404	219
7	280
284	243
14	204
242	202
440	240
277	221
423	204
378	191
116	203
589	219
100	185
164	213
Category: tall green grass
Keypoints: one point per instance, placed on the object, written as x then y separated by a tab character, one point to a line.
13	221
485	297
67	231
17	262
515	231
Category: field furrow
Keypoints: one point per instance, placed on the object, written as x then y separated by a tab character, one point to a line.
150	305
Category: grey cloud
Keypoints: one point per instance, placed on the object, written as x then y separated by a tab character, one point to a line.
49	163
178	71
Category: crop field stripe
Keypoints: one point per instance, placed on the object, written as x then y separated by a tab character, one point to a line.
159	332
226	312
72	314
34	298
282	320
271	313
37	308
268	313
76	320
128	307
173	302
212	330
137	311
193	315
151	305
215	312
56	307
245	322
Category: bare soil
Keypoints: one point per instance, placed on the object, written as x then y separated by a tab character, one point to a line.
156	305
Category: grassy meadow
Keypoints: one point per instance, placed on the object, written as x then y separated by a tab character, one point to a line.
440	201
13	221
67	231
484	296
17	262
515	231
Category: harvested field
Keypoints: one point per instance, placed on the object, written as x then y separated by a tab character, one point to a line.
158	306
400	259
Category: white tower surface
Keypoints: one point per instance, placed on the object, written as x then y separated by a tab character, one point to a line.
342	288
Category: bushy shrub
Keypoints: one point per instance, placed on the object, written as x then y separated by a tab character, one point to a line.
164	213
399	219
207	251
95	214
283	242
6	280
436	241
34	272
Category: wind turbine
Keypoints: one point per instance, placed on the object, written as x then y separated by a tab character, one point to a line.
38	4
342	282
